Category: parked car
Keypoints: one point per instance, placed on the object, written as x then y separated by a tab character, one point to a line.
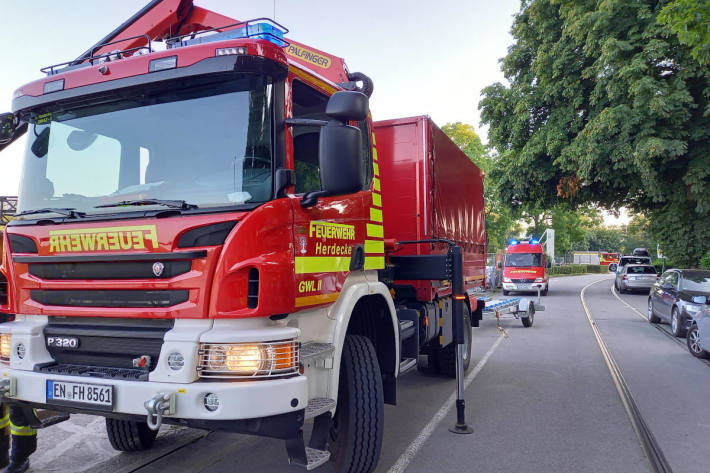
640	252
698	338
624	260
678	297
636	277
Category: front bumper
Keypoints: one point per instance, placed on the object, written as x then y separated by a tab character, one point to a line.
238	399
524	287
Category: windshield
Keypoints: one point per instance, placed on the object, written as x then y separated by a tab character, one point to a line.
206	144
696	283
517	260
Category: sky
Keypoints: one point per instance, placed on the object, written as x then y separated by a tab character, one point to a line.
425	58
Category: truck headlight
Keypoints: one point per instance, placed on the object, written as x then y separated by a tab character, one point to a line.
539	280
5	348
244	360
507	280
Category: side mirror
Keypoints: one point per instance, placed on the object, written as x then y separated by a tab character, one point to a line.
340	147
7	126
548	264
500	265
700	299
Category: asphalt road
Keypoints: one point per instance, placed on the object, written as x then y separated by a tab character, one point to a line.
540	399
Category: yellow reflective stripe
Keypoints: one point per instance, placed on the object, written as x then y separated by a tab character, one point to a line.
374	230
376	199
375	215
28	433
374	143
5	421
376	182
376	168
318	299
22	430
374	154
374	262
322	264
374	246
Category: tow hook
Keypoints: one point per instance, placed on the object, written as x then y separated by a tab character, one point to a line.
8	387
159	405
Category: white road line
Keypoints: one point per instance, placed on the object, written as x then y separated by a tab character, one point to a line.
406	457
637	312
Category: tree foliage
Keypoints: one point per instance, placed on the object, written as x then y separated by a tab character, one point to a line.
690	20
606	107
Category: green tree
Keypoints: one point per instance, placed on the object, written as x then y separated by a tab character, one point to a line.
690	20
605	107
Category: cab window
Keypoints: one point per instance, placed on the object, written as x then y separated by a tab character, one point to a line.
366	154
307	103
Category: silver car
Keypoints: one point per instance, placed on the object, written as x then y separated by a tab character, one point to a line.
635	277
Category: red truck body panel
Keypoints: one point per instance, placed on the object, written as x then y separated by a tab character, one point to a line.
431	189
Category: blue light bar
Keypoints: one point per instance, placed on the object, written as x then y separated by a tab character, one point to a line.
534	241
514	242
263	28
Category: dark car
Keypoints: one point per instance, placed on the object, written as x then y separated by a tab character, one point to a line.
624	260
640	252
678	297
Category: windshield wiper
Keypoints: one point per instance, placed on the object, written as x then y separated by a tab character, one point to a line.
67	212
175	204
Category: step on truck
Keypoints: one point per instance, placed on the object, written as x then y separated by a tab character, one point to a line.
212	232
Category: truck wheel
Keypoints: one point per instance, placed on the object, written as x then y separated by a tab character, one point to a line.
447	356
356	432
129	436
544	293
505	293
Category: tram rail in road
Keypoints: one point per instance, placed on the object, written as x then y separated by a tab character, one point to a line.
652	450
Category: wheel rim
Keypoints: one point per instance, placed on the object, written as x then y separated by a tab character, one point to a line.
674	321
693	341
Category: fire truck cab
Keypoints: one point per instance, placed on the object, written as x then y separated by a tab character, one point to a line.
525	268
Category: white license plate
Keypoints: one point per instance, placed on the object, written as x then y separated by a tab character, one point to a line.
522	286
99	396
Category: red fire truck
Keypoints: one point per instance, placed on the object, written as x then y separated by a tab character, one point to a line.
525	268
216	235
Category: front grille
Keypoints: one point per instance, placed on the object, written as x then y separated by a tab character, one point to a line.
95	372
114	270
107	346
117	298
522	281
3	290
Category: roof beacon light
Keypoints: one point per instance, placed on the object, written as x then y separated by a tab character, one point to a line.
514	242
262	28
534	241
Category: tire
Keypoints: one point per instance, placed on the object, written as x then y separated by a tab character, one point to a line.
692	343
652	318
357	429
129	436
544	293
505	293
677	324
528	321
446	357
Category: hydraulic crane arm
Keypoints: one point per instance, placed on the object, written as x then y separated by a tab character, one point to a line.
162	19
